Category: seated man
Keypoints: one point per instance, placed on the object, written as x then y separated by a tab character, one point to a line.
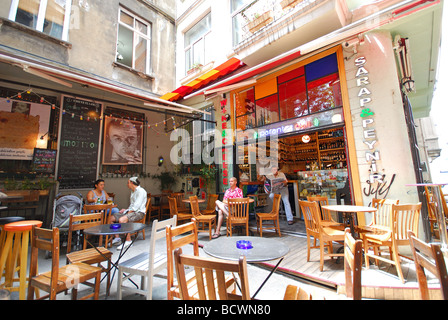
135	212
223	209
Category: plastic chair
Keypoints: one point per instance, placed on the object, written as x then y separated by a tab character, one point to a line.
59	279
146	264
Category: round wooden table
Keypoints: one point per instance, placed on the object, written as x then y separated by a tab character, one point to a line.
188	200
348	212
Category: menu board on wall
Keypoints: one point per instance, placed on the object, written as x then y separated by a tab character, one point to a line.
78	143
44	160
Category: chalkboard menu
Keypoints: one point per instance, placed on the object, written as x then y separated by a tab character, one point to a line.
78	143
44	160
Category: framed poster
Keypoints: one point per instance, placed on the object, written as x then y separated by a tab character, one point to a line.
123	141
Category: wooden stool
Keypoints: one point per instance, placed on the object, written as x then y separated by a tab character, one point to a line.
3	221
17	240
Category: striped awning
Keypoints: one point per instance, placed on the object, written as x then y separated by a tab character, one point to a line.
230	65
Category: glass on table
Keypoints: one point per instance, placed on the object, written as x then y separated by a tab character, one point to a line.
110	200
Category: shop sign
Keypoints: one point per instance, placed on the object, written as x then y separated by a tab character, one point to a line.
225	167
369	133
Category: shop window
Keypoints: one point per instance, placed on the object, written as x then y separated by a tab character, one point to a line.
196	43
324	93
245	109
47	16
133	46
267	110
293	98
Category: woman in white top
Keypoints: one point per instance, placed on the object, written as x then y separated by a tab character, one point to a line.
135	212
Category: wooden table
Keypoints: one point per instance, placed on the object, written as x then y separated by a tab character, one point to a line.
188	200
348	212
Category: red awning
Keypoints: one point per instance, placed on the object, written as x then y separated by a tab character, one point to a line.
200	82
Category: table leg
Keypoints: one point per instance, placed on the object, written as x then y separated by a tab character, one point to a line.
267	278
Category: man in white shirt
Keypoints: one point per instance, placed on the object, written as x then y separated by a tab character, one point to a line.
135	212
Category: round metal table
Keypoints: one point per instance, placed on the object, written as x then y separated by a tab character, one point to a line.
263	249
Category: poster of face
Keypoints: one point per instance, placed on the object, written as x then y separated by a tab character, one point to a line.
123	141
23	127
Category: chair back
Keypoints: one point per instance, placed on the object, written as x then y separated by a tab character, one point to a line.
158	232
310	211
211	201
104	209
238	209
405	217
322	201
177	237
82	222
352	265
296	293
179	196
276	204
47	240
209	286
383	215
429	257
195	206
173	206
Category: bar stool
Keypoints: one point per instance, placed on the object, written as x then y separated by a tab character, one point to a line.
16	249
3	221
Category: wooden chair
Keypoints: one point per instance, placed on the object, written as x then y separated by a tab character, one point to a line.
429	257
178	237
143	220
311	215
90	255
404	217
271	216
296	293
146	264
164	205
105	210
181	207
59	278
432	207
210	277
173	211
352	266
206	222
327	219
211	205
153	208
238	214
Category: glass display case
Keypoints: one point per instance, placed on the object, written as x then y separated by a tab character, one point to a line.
321	182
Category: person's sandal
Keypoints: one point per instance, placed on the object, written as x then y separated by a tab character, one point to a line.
216	235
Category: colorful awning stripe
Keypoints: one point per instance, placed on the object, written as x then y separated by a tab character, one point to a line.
230	65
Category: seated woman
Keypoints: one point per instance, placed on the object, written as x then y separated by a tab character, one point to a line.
98	192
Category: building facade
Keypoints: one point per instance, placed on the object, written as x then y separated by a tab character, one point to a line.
339	83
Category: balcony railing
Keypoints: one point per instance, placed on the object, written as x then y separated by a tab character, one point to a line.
262	13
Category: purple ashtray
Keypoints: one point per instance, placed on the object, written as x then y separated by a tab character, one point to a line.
244	244
115	226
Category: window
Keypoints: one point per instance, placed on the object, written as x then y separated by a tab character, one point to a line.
51	17
236	6
195	43
134	41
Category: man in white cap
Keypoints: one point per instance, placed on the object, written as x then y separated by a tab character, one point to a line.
135	212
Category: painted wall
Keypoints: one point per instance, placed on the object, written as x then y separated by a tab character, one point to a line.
372	76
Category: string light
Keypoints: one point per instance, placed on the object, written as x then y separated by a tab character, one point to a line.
43	100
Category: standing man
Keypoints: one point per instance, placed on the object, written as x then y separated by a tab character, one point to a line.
279	185
135	212
223	209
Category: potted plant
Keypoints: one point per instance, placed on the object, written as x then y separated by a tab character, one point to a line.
259	21
166	178
209	175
